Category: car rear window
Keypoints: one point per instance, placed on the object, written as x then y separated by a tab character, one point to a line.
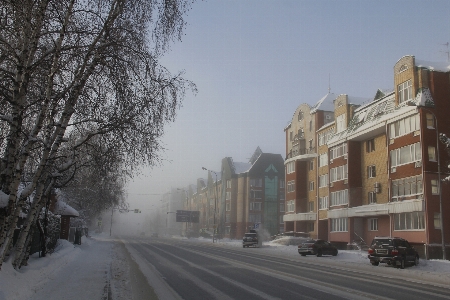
250	235
382	242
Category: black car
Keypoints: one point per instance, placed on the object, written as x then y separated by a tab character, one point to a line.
250	239
392	251
317	247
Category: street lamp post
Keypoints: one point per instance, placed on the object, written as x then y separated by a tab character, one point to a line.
444	256
215	204
187	206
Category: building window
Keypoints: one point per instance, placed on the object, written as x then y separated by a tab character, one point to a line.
323	202
227	218
371	173
254	218
300	115
255	194
404	126
404	91
406	187
406	155
256	182
311	145
255	206
325	136
311	206
430	121
437	220
431	153
290	167
291	136
311	165
311	185
370	145
323	159
339	224
228	196
409	221
290	186
282	184
339	198
340	123
338	173
323	180
434	187
228	206
290	206
228	184
373	224
338	151
227	229
310	126
282	204
372	198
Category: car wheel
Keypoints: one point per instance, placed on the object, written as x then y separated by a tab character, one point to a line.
375	263
319	253
416	261
335	252
303	254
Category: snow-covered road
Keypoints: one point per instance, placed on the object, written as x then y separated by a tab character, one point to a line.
102	268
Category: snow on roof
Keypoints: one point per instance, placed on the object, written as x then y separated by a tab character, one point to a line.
357	100
3	199
64	209
372	117
424	98
433	66
326	103
240	167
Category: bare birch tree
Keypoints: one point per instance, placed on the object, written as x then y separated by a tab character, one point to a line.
80	69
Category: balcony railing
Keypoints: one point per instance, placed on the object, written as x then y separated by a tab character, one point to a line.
295	151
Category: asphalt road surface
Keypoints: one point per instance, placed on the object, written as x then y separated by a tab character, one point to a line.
183	269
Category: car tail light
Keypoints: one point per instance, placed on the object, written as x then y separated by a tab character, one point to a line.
370	251
394	252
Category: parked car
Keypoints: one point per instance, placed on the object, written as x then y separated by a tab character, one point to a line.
317	247
392	251
250	239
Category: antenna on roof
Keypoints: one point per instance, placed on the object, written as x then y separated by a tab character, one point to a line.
329	88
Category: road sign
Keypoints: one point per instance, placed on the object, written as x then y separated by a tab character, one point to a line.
256	225
191	216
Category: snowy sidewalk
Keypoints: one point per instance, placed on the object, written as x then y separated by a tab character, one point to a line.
99	268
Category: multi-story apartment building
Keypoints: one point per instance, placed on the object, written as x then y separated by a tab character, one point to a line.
252	194
380	165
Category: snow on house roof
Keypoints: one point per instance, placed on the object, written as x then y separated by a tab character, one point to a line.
64	209
371	118
240	167
326	103
3	199
433	66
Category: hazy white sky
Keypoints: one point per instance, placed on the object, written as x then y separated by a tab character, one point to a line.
255	61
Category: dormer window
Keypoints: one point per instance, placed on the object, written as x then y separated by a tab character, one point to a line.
404	91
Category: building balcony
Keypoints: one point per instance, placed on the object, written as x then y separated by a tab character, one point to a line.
301	153
310	216
378	209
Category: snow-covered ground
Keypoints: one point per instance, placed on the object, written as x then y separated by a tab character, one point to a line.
99	269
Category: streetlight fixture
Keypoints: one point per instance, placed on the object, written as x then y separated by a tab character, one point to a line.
215	205
441	217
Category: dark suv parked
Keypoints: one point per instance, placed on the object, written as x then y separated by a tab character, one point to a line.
393	251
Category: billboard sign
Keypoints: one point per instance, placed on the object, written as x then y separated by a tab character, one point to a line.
188	216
